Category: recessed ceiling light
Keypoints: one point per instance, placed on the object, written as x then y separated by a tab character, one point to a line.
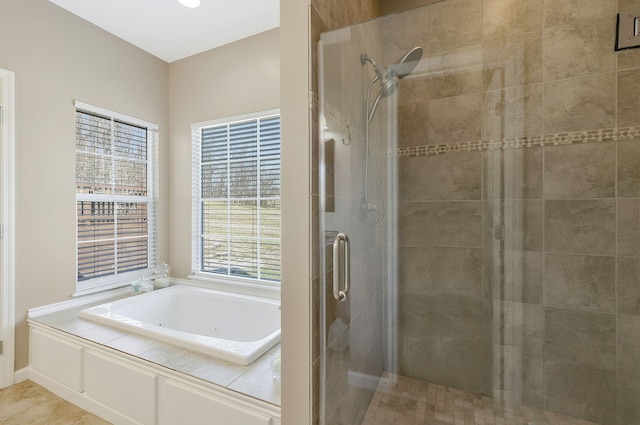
190	3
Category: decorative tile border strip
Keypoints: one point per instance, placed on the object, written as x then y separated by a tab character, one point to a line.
570	138
566	138
351	130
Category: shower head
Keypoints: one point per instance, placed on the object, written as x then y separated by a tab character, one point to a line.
389	78
397	71
407	63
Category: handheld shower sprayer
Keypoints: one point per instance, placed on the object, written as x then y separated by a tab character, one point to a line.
388	78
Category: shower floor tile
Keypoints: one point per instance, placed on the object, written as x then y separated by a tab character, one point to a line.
399	400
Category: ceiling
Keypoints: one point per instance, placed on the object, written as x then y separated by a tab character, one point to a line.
170	31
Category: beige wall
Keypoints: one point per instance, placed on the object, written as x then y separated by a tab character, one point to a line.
58	58
235	79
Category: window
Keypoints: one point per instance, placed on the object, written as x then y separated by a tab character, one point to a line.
236	195
115	196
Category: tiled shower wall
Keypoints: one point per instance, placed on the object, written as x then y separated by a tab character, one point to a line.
519	203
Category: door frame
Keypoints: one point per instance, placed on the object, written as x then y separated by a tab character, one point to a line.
7	218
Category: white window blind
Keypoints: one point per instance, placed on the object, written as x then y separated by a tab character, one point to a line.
236	194
115	195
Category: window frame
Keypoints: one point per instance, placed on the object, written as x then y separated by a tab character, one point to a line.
196	212
118	280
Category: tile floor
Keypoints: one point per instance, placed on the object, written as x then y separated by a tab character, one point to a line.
406	401
29	403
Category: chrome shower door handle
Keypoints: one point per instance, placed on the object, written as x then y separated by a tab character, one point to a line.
341	239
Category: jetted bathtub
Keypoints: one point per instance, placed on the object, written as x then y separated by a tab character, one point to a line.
233	327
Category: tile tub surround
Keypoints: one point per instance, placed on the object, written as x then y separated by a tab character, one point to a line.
255	380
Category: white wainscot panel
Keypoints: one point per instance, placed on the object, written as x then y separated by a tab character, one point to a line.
180	404
122	386
56	358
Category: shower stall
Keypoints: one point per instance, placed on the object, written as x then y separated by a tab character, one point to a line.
480	216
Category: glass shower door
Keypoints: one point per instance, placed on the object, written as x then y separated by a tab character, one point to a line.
491	198
355	215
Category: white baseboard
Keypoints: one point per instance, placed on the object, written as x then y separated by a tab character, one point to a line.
21	375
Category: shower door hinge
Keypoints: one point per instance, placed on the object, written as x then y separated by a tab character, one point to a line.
1	231
1	115
312	98
1	347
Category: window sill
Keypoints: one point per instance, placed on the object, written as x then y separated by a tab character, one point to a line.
109	283
236	285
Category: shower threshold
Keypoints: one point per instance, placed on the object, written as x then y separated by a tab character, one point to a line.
400	400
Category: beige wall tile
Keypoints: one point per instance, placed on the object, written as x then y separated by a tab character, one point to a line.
628	59
532	379
512	320
581	103
455	72
512	61
512	173
455	23
502	18
413	124
413	89
580	337
628	223
628	98
579	391
404	31
455	119
441	223
628	285
444	270
580	227
581	48
560	12
628	4
519	222
447	177
581	282
512	112
446	315
513	275
629	330
628	394
580	171
629	169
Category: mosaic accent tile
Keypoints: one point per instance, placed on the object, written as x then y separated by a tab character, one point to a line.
488	144
569	138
